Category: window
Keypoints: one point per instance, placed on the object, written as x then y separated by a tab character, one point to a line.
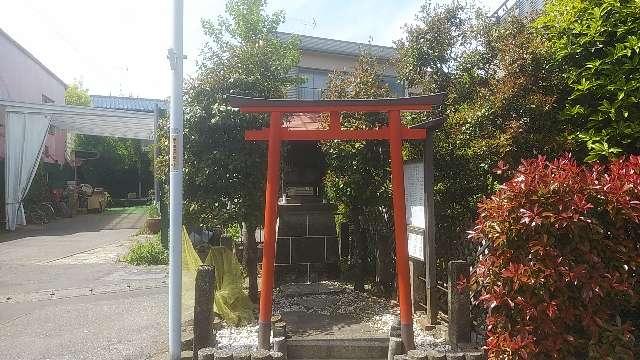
396	87
315	81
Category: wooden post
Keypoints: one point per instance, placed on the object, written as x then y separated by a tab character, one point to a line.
459	304
418	295
430	259
203	308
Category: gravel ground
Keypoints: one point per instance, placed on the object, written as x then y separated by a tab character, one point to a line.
328	299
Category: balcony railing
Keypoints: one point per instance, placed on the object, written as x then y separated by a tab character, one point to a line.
309	93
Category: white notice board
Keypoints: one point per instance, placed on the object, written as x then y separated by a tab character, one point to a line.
414	193
415	240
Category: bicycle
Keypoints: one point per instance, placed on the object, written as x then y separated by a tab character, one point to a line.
34	215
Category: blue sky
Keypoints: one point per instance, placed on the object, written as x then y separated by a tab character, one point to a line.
119	47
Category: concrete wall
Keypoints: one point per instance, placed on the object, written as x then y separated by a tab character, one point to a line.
23	78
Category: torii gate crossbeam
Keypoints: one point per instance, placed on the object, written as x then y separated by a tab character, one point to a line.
394	133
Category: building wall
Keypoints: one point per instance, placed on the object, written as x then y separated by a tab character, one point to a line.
25	79
315	67
333	62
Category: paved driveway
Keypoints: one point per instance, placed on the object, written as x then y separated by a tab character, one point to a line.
63	295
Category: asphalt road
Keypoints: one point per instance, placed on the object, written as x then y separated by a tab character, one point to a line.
63	295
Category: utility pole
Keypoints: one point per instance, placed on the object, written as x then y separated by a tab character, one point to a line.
175	185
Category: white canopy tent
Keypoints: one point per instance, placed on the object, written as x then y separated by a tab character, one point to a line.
26	127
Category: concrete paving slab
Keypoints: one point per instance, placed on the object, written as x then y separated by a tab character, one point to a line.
63	295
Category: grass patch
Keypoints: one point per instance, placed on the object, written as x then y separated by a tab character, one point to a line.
149	252
127	210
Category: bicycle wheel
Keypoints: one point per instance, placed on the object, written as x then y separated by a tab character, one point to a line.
47	209
35	216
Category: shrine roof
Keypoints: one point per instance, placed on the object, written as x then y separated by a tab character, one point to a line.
412	103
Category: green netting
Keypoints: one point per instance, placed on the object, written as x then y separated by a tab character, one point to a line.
230	301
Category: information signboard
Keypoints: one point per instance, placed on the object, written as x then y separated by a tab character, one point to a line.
414	201
414	193
415	239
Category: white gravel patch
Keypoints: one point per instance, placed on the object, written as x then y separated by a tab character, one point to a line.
328	298
236	339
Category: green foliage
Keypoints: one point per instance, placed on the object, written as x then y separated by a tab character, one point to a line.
77	95
224	174
121	162
149	252
152	211
597	45
502	103
358	177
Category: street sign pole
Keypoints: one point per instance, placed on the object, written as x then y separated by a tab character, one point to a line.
175	185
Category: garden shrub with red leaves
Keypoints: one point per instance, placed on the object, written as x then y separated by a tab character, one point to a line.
561	269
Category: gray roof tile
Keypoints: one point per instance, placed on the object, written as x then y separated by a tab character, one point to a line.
127	103
338	47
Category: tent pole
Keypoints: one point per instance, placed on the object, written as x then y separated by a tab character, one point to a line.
175	185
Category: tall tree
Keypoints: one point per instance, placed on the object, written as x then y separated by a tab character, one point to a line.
502	104
224	174
358	177
596	44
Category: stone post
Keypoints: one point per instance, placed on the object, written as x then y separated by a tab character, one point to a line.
206	354
455	356
395	348
459	304
223	355
242	355
395	342
436	355
276	355
417	355
280	338
260	355
203	309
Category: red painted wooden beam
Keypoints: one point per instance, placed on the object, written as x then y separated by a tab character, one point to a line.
320	135
342	108
412	103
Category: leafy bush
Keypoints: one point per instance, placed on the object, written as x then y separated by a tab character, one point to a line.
148	252
561	270
152	211
596	44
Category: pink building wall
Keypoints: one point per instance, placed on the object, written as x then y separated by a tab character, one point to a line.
24	78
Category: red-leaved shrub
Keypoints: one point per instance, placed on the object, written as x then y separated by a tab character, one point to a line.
561	269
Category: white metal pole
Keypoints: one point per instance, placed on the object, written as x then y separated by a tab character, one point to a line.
175	186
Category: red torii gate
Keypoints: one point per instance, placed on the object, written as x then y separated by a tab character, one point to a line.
394	133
